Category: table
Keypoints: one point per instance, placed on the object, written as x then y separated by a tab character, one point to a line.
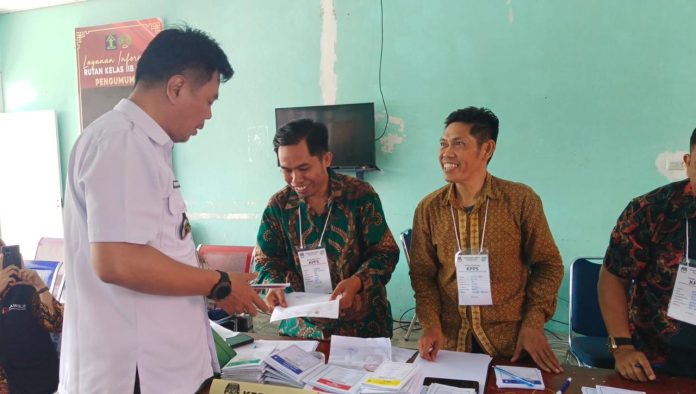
590	377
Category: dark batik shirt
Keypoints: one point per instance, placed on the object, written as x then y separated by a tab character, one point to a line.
51	322
647	245
358	243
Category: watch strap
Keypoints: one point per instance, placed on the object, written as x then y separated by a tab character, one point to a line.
615	342
223	281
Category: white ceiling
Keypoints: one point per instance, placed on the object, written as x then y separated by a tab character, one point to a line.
7	6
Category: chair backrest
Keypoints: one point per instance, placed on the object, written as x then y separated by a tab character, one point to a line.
50	249
584	315
226	257
406	243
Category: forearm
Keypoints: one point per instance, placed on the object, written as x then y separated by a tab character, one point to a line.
378	268
145	269
613	303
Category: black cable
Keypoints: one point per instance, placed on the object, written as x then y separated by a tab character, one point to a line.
403	324
554	334
381	52
561	322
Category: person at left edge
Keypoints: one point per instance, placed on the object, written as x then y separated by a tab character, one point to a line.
135	317
320	208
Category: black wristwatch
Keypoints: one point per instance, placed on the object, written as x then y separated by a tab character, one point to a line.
614	343
222	288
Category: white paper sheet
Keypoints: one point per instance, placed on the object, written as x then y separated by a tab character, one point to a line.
306	305
362	353
465	366
615	390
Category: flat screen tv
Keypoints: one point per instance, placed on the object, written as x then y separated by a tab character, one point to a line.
351	131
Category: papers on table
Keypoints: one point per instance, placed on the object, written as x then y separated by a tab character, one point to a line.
518	377
306	305
337	379
464	366
291	365
390	376
402	355
608	390
360	353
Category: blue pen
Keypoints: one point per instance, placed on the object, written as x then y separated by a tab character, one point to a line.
564	386
512	375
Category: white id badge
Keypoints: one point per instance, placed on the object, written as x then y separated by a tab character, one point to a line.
315	271
473	278
682	305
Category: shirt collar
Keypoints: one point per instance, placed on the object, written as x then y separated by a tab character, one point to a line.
488	190
145	122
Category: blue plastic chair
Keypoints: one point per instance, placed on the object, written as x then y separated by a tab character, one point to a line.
587	334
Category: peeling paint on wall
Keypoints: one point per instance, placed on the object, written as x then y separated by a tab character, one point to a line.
391	139
511	15
670	165
328	80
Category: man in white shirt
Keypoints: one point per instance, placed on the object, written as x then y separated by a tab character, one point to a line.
135	317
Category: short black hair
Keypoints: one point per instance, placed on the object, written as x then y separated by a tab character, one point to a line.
292	133
182	49
692	140
484	123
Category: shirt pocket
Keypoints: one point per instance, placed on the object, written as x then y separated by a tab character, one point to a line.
174	220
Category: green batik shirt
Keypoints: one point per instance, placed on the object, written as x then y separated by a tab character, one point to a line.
358	243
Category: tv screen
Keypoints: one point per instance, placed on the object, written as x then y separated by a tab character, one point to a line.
351	131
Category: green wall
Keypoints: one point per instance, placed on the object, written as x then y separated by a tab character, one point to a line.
588	93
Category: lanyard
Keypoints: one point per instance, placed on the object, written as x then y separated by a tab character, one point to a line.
299	231
483	233
686	252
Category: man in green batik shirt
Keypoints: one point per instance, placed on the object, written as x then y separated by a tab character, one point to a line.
343	215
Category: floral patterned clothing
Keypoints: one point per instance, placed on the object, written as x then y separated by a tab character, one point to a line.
646	246
358	243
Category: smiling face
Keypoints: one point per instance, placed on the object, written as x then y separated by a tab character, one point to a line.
462	159
306	174
193	102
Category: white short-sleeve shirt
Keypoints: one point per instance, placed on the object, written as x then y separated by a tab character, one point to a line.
121	188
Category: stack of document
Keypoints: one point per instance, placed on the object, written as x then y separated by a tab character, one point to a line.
336	379
608	390
518	377
392	377
290	366
248	365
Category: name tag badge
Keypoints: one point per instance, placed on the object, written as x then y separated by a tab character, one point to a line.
682	305
473	278
315	271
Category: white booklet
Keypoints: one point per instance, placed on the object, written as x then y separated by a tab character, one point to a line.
391	376
359	353
306	305
293	363
518	377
